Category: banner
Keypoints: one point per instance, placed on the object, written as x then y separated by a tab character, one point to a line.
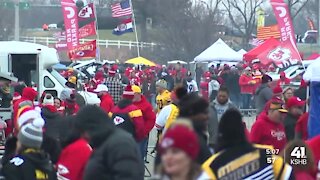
282	56
86	50
282	14
287	52
69	11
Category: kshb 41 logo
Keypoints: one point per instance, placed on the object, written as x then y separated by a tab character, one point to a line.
298	156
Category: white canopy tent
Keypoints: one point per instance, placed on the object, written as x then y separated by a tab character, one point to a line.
242	51
312	72
219	52
177	61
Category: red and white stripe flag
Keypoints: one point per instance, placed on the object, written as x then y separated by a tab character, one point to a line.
121	9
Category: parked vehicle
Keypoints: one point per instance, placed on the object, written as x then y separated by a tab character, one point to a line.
311	36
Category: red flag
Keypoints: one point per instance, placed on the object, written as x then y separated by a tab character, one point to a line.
88	30
86	12
282	14
86	50
69	10
283	56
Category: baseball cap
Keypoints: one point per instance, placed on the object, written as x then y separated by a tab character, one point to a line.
277	104
295	101
101	88
247	69
136	89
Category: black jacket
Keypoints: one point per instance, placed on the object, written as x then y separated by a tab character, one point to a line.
53	122
34	165
115	156
289	124
204	152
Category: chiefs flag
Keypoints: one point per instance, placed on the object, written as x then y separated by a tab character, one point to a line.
287	53
282	56
83	51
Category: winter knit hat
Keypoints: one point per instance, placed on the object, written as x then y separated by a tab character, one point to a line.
28	113
162	83
48	100
112	71
265	79
277	90
181	137
29	93
128	92
31	134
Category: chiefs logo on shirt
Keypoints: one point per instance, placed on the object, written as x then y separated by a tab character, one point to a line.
280	135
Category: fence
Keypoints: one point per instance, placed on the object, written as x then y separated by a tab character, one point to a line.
106	43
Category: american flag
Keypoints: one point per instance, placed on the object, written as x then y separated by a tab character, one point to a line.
267	32
121	9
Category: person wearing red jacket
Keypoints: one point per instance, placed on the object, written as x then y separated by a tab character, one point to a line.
128	116
314	144
269	128
149	116
283	79
106	102
246	87
27	98
73	159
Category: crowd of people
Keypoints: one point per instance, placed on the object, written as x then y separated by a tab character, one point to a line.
202	133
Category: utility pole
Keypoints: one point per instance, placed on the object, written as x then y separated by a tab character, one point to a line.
16	21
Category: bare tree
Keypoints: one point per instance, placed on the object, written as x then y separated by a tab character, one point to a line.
183	28
295	7
6	23
242	14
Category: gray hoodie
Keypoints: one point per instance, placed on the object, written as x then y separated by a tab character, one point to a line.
262	96
216	110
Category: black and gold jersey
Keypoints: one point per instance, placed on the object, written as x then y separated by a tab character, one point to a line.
246	162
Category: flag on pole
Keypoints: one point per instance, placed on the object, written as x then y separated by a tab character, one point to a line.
125	27
267	32
121	9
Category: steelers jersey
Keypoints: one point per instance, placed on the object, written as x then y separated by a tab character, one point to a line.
163	99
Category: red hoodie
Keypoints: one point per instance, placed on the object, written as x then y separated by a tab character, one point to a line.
148	114
314	145
245	86
28	94
73	160
302	126
266	132
106	103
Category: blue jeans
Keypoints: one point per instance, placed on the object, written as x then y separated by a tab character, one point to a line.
245	98
143	145
236	99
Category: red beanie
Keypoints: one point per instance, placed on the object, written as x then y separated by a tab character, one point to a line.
183	138
128	92
277	90
29	93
